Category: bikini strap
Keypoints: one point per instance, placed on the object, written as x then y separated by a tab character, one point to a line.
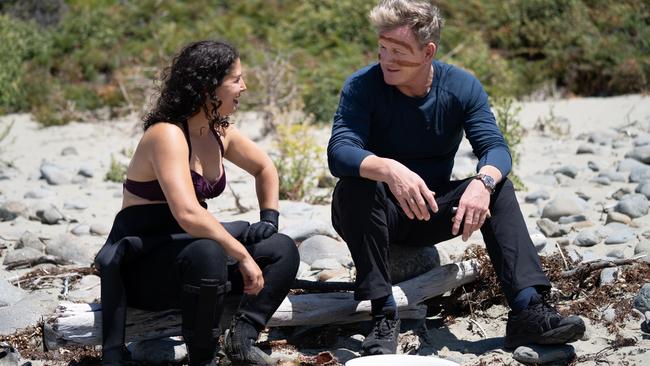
216	135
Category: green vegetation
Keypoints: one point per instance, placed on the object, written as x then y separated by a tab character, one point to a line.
116	172
507	115
58	58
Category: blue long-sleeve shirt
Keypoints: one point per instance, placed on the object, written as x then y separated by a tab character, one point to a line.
374	118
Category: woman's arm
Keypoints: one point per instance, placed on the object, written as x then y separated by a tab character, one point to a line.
244	153
168	153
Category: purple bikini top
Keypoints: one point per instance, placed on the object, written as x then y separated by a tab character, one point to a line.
203	188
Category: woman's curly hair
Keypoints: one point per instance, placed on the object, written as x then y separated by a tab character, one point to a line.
189	84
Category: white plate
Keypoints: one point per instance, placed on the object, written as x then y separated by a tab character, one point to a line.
399	360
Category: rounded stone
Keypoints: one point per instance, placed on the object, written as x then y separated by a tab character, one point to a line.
563	205
642	299
407	262
587	238
633	205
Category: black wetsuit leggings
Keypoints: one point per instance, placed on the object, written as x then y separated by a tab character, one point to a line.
156	279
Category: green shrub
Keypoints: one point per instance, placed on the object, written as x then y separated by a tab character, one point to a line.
506	112
116	172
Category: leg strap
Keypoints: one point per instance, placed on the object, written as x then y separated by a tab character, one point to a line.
207	298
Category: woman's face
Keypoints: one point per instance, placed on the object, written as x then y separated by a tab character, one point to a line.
230	90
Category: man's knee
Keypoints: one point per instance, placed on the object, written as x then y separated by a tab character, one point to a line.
349	188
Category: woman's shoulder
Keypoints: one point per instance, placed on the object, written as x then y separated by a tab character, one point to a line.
164	132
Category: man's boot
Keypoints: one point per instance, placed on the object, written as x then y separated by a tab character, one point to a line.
239	344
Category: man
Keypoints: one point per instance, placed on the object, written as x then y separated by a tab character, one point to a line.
397	128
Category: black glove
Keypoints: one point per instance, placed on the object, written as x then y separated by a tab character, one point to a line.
267	226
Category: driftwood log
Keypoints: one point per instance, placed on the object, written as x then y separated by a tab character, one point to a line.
80	324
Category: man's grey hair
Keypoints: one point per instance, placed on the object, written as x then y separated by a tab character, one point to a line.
422	16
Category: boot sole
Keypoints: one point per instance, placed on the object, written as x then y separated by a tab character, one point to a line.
565	334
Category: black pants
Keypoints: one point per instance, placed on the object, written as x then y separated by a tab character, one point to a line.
368	218
148	261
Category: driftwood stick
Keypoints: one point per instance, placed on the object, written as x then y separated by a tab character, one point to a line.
81	323
40	260
599	264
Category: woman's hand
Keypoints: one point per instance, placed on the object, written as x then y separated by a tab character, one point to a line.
253	279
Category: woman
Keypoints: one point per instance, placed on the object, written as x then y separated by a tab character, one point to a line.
165	249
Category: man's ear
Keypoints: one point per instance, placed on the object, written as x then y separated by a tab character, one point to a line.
430	50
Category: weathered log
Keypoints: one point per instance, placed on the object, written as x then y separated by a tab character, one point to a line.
80	324
588	267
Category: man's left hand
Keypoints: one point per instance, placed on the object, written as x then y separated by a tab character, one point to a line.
473	209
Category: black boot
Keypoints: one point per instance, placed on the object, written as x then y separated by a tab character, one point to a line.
240	347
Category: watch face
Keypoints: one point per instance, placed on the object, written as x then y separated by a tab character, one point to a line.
489	181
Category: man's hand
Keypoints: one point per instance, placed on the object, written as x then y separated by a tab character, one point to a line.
473	208
411	192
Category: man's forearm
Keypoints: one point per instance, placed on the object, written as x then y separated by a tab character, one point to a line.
375	168
492	171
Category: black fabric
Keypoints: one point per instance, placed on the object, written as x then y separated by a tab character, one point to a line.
368	218
148	258
267	226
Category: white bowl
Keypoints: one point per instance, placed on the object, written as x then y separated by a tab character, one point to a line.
399	360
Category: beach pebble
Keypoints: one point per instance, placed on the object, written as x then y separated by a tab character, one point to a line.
28	311
72	249
303	230
587	238
551	229
586	149
563	205
642	299
69	150
6	215
608	275
616	254
100	229
618	233
53	174
88	290
15	207
538	354
22	254
643	247
571	219
594	166
81	230
50	216
86	171
75	205
321	247
641	140
39	193
158	351
9	356
643	188
535	196
407	262
633	205
30	240
640	153
645	326
609	314
569	170
614	176
640	174
326	263
603	181
614	216
10	294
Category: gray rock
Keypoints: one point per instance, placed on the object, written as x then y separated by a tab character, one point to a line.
159	351
594	166
609	314
642	140
563	180
618	233
87	290
563	205
28	311
78	179
583	196
75	205
603	181
6	215
550	229
640	174
587	149
628	165
407	262
53	174
587	238
643	188
342	275
640	153
602	137
633	205
303	230
70	248
618	144
621	192
326	263
569	170
22	254
30	240
539	239
303	268
608	275
86	171
100	229
10	294
16	207
535	196
643	247
645	326
616	254
320	247
642	299
39	193
614	176
69	150
538	354
9	356
50	216
81	230
618	217
571	219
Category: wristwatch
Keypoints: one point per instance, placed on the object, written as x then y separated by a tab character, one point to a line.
487	180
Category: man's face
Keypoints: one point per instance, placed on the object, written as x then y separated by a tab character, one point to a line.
401	57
